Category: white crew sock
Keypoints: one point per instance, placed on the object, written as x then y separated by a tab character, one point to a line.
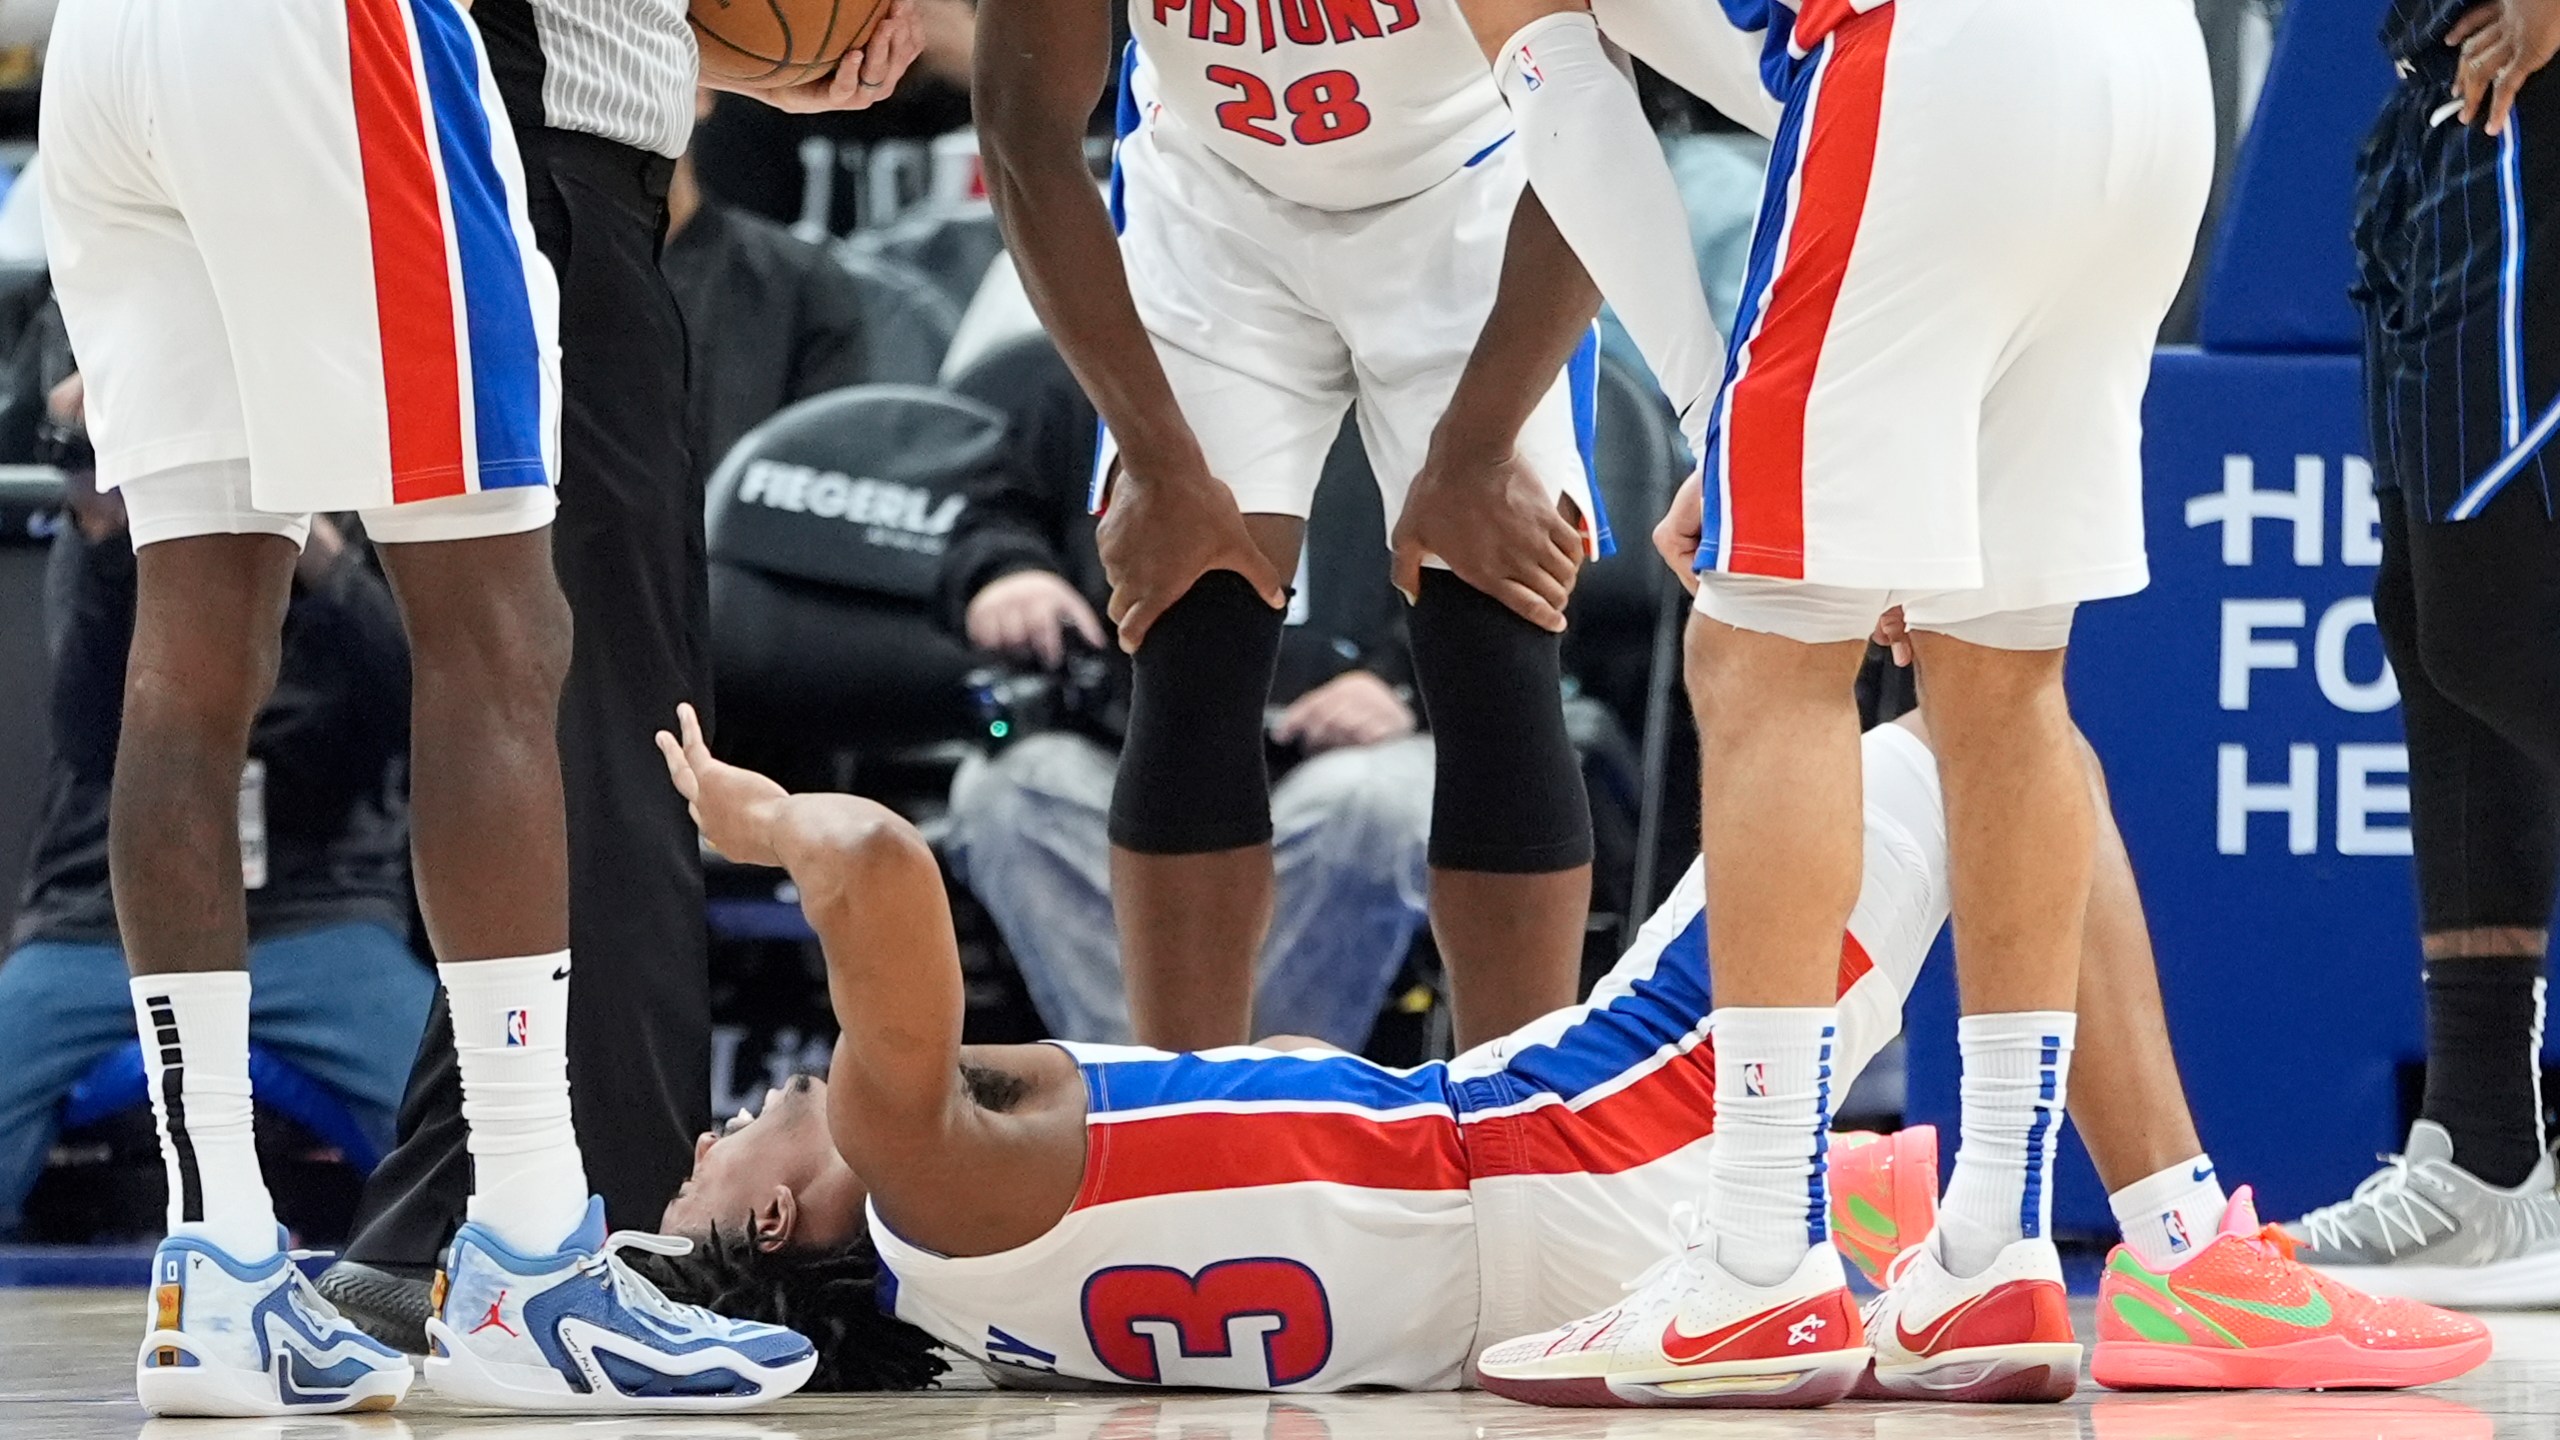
2017	1069
195	1053
2169	1217
1766	1189
510	1032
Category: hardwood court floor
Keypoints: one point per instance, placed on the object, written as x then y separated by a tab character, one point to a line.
66	1361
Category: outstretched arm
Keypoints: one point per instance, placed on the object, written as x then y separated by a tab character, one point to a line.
896	1104
872	891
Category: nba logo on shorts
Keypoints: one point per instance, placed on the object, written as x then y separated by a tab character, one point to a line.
2177	1228
1755	1079
519	1028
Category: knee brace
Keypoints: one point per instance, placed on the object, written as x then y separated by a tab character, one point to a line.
1508	796
1193	775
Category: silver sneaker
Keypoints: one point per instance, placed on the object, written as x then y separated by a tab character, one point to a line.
2424	1228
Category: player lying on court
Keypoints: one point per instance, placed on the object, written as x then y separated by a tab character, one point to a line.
1290	1217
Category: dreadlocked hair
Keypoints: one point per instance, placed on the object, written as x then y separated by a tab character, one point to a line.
831	1296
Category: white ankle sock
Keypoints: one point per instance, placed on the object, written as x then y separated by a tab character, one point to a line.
195	1053
510	1031
2169	1217
1765	1186
2017	1068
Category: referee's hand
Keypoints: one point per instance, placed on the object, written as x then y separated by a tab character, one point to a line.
864	77
2503	44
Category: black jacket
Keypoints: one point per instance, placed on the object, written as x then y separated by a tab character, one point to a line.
334	739
770	317
1030	515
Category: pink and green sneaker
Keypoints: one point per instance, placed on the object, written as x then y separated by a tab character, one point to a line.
2243	1314
1884	1195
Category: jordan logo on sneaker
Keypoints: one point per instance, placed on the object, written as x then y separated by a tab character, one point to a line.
495	1318
1804	1331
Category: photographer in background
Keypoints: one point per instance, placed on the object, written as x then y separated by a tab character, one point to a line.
324	826
1351	807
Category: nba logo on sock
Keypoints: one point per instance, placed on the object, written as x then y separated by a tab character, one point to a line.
519	1028
2177	1228
1755	1079
1529	76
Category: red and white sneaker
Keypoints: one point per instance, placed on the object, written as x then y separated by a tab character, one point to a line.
2004	1334
1690	1333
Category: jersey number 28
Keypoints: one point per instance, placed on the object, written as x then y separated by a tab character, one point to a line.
1323	106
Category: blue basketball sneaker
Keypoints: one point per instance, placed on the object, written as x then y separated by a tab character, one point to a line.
581	1331
236	1340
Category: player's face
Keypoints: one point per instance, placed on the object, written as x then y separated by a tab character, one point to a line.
776	1171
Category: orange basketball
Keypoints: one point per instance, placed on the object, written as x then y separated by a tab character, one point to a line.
769	44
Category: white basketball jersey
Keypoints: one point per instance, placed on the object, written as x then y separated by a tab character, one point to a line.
1334	104
1255	1219
1250	1220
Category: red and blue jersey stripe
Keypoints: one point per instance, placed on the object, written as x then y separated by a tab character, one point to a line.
1627	1082
444	244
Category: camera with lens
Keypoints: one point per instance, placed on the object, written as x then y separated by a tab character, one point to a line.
1087	694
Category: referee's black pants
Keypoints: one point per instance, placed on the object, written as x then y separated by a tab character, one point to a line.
2458	249
628	544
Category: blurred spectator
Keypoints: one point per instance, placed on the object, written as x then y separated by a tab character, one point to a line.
770	318
1351	806
324	843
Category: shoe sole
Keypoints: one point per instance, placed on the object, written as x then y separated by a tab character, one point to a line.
2529	1282
456	1373
1981	1374
2323	1362
226	1392
1780	1383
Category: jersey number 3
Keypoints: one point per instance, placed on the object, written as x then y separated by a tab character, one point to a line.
1323	106
1132	1311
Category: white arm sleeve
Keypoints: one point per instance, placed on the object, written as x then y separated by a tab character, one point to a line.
1599	171
1692	45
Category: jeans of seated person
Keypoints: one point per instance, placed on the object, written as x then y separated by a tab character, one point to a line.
344	1004
1351	830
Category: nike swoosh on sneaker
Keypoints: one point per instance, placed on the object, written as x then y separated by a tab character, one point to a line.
2311	1314
1686	1349
1936	1330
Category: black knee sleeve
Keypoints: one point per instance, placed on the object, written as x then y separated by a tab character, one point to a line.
1193	778
1508	797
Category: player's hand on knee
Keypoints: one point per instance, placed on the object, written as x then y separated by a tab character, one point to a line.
1677	538
1027	615
1159	536
1496	526
731	804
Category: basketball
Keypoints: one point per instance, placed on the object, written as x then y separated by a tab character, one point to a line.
771	44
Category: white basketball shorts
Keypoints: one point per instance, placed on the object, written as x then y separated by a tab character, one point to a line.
1977	214
1272	318
290	242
